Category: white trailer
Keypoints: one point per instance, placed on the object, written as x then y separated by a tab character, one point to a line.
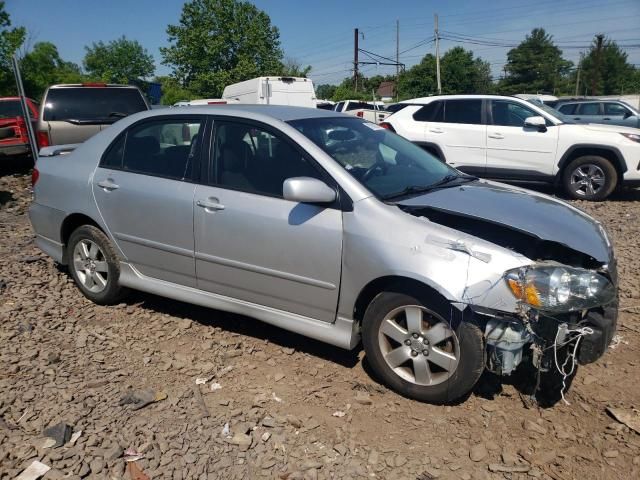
293	91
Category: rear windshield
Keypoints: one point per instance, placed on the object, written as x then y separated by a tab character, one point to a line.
104	105
10	108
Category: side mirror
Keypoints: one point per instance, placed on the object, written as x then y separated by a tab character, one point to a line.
627	114
536	122
307	190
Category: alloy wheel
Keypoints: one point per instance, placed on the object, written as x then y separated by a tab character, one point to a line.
587	180
90	266
418	345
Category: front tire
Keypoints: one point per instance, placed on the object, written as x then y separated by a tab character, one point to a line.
418	351
94	265
590	178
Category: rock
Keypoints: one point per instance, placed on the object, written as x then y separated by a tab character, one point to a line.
610	453
60	432
534	427
184	324
265	436
341	449
363	398
374	457
278	376
96	466
478	452
240	439
496	467
294	421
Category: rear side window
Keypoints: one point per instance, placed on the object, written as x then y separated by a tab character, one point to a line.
10	108
92	104
567	109
358	106
431	112
166	148
589	109
463	111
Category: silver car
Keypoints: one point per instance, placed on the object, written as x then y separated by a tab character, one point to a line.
332	227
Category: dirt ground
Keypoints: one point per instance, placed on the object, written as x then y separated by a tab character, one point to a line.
294	408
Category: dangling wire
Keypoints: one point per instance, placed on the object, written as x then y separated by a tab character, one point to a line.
579	333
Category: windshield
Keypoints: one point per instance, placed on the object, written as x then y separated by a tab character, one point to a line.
552	111
385	163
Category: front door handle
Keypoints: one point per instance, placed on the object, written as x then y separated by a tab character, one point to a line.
436	130
497	136
606	118
108	184
210	204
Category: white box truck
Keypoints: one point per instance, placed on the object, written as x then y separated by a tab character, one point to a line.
293	91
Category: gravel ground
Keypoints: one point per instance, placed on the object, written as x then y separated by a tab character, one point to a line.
293	408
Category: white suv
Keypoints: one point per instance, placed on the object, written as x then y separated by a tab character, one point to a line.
509	138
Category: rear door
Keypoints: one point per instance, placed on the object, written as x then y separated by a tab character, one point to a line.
255	246
144	190
517	151
588	112
73	114
458	128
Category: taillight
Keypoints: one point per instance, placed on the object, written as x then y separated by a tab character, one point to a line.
388	126
360	114
35	175
43	138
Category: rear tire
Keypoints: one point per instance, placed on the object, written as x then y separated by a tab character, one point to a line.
418	351
94	265
589	178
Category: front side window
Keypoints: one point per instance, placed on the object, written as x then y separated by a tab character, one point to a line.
510	114
255	160
589	109
165	148
463	111
615	109
385	163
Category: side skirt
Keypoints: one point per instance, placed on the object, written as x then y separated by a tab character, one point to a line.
342	333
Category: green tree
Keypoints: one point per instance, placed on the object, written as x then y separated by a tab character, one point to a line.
536	65
606	71
10	41
118	61
292	68
172	91
325	91
461	73
42	66
219	42
419	80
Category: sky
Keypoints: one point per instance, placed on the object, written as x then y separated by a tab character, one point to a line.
320	33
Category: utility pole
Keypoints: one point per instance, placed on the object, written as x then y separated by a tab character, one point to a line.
355	59
25	109
596	74
578	81
435	23
397	48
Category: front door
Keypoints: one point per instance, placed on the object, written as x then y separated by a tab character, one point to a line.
144	191
250	243
514	150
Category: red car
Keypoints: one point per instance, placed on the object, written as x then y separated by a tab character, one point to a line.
14	139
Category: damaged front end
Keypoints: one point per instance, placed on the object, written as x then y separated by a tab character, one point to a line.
557	310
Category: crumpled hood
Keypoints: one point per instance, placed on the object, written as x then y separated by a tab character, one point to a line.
536	214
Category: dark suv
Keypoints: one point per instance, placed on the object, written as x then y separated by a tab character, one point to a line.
613	112
72	113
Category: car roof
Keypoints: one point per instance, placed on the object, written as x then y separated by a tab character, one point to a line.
425	100
284	113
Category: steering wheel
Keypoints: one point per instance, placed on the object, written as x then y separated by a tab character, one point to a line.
380	166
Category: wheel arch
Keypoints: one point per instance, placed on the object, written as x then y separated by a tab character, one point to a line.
69	225
610	153
398	284
433	149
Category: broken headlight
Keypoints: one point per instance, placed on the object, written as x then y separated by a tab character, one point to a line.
559	288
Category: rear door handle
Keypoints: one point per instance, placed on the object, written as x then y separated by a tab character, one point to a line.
606	118
436	130
210	204
497	136
108	184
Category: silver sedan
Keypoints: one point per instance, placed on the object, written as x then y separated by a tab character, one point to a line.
332	227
